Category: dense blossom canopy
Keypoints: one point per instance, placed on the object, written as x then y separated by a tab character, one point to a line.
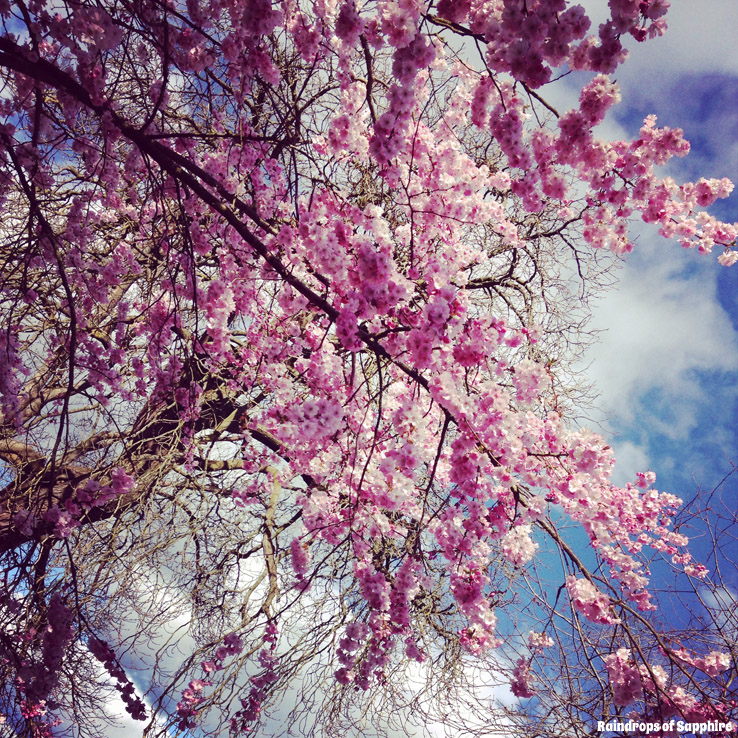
290	296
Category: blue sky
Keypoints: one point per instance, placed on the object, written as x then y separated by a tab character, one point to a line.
666	364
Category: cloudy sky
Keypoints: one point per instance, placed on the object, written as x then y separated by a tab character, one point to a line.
666	365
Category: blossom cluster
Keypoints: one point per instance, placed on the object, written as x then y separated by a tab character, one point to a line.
713	664
106	656
61	520
538	642
300	560
631	682
37	679
588	600
192	696
522	679
260	684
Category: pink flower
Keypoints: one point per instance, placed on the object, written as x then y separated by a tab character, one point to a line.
518	546
589	601
522	680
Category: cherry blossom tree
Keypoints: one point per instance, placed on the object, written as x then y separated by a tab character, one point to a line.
291	295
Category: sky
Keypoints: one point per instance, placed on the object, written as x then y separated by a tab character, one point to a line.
666	363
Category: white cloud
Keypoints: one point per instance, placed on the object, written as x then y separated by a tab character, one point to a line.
630	458
722	604
663	328
700	38
665	333
125	726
